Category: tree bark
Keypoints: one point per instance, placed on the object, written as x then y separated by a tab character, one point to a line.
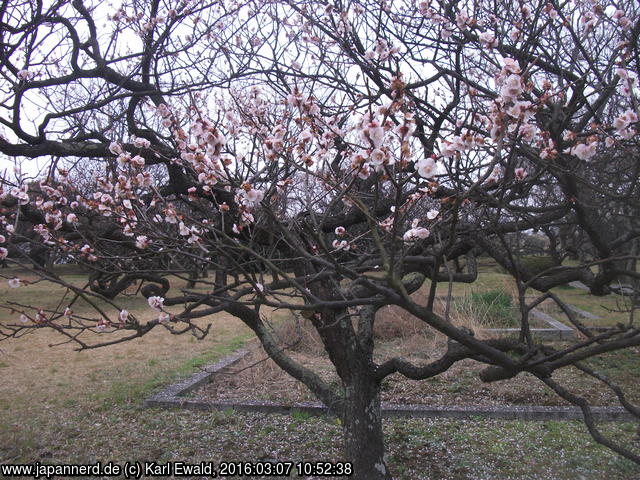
362	420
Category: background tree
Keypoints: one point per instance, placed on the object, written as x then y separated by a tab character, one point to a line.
327	158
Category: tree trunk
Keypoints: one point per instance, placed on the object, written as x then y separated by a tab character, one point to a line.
362	420
221	278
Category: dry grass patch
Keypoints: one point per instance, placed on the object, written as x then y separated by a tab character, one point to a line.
50	395
401	335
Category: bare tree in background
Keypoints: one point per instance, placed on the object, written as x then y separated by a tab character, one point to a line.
328	158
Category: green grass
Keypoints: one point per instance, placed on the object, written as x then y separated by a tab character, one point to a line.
75	409
491	308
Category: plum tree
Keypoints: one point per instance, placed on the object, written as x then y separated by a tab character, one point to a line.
328	158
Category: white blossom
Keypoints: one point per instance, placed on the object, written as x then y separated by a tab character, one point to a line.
156	303
431	214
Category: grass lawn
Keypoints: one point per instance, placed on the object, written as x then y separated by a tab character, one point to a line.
62	406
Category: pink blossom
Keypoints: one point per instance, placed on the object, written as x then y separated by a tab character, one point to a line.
123	159
3	253
24	75
624	120
426	167
627	133
447	149
253	195
624	22
305	135
171	215
141	142
520	173
495	175
515	34
511	88
340	231
156	303
24	318
584	151
14	282
462	20
520	109
364	171
294	100
377	157
22	196
510	66
431	214
124	314
528	131
488	40
138	161
115	148
142	241
372	131
101	325
340	245
163	110
414	234
622	73
184	231
164	317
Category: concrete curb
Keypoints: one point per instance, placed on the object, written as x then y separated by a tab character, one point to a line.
556	331
528	413
173	392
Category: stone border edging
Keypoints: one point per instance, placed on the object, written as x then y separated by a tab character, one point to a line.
172	397
174	391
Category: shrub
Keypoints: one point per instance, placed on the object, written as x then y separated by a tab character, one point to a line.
537	265
492	308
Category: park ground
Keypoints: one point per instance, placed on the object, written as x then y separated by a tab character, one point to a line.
58	405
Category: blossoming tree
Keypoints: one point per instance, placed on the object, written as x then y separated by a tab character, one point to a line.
328	158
